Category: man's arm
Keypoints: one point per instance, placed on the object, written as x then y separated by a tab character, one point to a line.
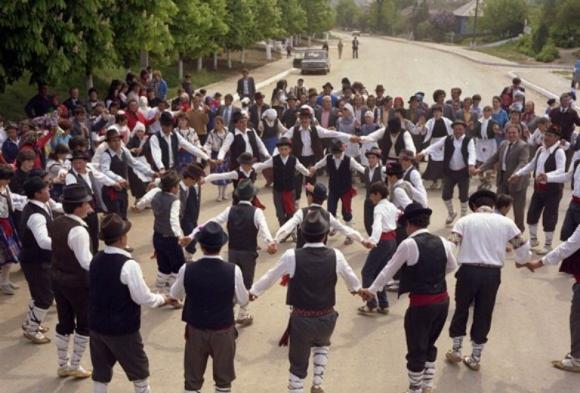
302	169
409	144
560	163
232	175
177	290
321	163
491	161
286	265
174	218
79	241
37	225
325	133
432	147
263	230
105	167
186	145
471	156
146	199
269	163
345	230
402	254
374	136
355	165
564	250
226	146
262	148
138	165
221	218
285	230
345	272
241	294
132	276
156	152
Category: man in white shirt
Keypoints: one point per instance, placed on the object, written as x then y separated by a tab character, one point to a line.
311	274
550	160
71	258
459	164
118	291
392	139
482	238
413	176
400	190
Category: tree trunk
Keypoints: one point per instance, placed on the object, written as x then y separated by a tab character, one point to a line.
229	59
309	40
243	56
268	49
215	60
144	58
180	68
88	81
200	63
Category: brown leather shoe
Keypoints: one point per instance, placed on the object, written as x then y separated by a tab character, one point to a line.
453	356
316	389
471	363
38	338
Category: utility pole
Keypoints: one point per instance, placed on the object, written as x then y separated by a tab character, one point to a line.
475	23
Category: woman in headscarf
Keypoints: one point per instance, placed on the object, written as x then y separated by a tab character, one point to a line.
347	123
137	146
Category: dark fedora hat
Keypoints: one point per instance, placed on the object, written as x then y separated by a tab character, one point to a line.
75	193
258	95
394	125
413	210
237	116
314	224
380	88
166	119
113	227
34	184
459	122
328	84
473	198
374	151
394	168
337	147
284	142
319	191
112	133
211	235
555	131
305	112
245	158
80	155
245	190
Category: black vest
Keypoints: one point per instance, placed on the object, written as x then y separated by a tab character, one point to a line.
284	175
313	285
66	269
571	265
377	177
299	237
209	286
315	142
111	309
165	149
407	176
31	251
478	132
427	276
96	202
241	228
385	144
270	132
242	176
339	179
439	129
549	166
190	206
450	149
119	166
239	146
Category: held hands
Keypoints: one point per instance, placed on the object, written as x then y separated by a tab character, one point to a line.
419	156
170	301
272	247
542	178
472	170
355	139
366	294
312	171
184	241
368	244
513	178
531	266
252	297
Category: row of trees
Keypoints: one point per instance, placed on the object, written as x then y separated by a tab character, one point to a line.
50	38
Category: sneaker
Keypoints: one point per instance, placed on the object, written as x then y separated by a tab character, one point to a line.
453	356
544	250
78	373
37	338
7	289
41	329
348	241
471	363
450	218
534	243
316	389
427	389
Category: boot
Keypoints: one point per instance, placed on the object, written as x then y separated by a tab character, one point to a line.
473	361
454	355
34	318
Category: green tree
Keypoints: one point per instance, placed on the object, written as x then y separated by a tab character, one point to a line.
293	17
347	14
381	16
504	18
566	28
319	16
240	19
268	19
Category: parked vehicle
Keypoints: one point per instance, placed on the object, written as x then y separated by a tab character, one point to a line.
315	60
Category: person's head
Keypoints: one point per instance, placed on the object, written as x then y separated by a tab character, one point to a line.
11	131
228	99
170	182
284	147
121	118
400	113
512	133
542	124
76	200
246	161
380	90
371	101
373	156
78	143
114	230
327	88
305	117
398	102
326	103
496	102
79	161
245	191
259	98
337	149
157	75
182	121
515	116
482	198
552	136
245	73
455	93
60	152
25	160
413	102
395	172
378	191
439	96
565	100
437	111
316	194
487	111
529	107
113	139
211	238
476	100
467	103
43	89
133	106
314	227
240	121
144	74
358	100
369	117
406	158
459	127
166	121
73	93
300	82
36	188
6	174
503	204
415	217
80	113
516	82
93	94
192	174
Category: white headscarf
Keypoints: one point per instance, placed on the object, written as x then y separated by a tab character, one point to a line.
270	114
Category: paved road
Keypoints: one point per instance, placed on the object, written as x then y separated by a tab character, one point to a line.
530	322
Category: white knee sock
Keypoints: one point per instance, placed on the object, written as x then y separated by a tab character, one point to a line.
319	360
161	281
61	342
295	384
142	386
80	345
533	231
457	343
35	318
549	236
428	374
243	312
449	206
99	387
415	381
222	390
476	351
463	208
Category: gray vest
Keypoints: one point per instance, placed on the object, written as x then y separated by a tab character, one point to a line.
161	205
406	186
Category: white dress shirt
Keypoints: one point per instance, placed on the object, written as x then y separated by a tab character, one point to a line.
456	163
269	163
231	175
132	277
378	135
540	157
418	188
79	242
241	295
99	177
436	155
287	266
564	177
564	250
400	197
385	216
259	221
182	143
408	253
289	226
484	236
37	225
105	166
230	139
373	169
354	164
307	141
537	138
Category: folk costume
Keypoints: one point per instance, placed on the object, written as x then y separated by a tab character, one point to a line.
392	139
71	258
10	244
312	274
371	175
242	141
482	238
423	260
213	144
437	130
211	287
419	193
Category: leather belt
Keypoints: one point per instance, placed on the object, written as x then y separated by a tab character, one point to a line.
485	265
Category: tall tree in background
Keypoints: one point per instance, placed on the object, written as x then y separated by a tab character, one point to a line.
268	22
347	14
319	16
240	19
504	18
293	17
381	16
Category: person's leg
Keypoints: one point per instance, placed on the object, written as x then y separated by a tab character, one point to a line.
368	216
463	184
519	207
163	263
301	331
533	216
39	282
223	350
332	203
124	204
417	330
438	317
447	196
246	260
569	224
92	221
575	323
279	206
321	348
102	359
79	299
177	258
130	353
465	290
195	358
64	328
550	217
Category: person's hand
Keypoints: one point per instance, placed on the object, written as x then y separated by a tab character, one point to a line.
368	244
309	187
219	162
513	178
312	171
535	265
419	156
252	297
272	248
476	172
542	178
184	241
472	170
366	294
162	172
355	139
150	186
169	300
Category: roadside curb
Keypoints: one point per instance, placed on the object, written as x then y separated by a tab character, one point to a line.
534	87
268	81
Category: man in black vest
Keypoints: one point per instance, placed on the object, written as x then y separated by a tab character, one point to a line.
245	224
92	180
424	259
312	274
413	176
242	140
71	258
307	145
210	286
570	254
459	160
549	160
385	137
285	166
117	292
166	144
35	256
373	173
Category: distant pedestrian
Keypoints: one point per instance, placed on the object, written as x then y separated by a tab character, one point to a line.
355	48
340	47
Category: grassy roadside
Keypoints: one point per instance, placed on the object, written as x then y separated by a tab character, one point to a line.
507	51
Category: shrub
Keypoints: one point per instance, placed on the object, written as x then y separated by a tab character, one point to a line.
548	53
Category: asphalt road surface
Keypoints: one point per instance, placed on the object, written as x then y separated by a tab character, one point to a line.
530	325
